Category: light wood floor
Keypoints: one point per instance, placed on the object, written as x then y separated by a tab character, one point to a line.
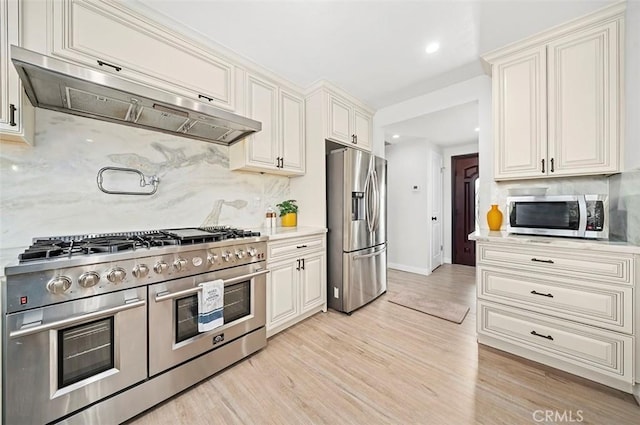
387	364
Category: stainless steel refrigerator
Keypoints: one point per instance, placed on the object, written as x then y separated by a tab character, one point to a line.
357	238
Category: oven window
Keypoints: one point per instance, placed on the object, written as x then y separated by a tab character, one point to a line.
84	351
546	215
237	304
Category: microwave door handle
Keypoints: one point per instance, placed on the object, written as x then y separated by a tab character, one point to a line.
70	321
164	296
582	208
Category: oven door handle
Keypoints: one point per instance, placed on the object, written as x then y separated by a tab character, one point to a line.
70	321
164	296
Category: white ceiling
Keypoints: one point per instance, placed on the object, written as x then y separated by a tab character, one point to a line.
372	49
449	127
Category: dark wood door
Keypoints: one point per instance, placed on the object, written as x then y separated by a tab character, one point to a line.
465	172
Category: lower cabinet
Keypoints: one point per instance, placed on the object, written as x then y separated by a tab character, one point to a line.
573	311
296	286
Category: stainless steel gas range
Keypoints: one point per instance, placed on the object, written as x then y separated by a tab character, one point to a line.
99	328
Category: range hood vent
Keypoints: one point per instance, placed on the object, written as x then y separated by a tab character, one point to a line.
54	84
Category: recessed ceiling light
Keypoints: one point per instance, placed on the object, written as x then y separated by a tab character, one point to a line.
396	136
476	129
432	47
89	140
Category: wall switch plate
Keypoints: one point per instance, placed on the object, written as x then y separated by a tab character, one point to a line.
336	292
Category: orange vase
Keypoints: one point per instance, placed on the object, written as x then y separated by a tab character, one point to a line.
494	217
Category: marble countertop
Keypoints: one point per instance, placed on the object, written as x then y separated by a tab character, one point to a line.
583	244
290	232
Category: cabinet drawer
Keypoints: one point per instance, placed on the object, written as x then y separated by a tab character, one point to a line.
600	351
597	304
295	247
592	265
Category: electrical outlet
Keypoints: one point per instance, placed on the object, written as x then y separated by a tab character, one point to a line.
336	292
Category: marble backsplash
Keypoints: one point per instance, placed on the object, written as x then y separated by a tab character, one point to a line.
50	189
624	207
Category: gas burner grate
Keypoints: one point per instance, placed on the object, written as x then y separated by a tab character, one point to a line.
107	243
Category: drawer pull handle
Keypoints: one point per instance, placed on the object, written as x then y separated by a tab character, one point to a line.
117	68
201	96
541	294
537	260
12	115
301	246
549	337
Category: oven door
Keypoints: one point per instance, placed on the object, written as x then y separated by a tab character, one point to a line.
547	215
173	314
61	358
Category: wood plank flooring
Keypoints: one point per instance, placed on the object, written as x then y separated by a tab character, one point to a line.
387	364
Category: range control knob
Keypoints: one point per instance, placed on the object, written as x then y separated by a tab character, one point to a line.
116	275
226	256
240	253
160	267
88	279
140	271
59	284
212	258
252	252
179	264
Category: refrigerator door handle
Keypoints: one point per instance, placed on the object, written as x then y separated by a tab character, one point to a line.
367	201
373	254
376	211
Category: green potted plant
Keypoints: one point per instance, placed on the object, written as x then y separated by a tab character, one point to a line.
289	213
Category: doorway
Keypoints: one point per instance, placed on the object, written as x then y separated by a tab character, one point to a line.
464	177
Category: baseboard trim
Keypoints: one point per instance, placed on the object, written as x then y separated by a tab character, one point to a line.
447	260
410	269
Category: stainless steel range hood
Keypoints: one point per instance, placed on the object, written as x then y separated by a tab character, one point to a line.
54	84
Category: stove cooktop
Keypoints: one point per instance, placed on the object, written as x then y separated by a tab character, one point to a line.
70	246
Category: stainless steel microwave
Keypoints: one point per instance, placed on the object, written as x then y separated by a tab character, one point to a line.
578	216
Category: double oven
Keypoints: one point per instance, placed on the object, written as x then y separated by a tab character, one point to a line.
102	342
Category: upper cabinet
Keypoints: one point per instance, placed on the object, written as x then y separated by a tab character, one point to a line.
16	113
557	100
110	37
347	123
279	148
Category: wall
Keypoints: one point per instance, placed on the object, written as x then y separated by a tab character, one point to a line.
408	227
447	153
50	189
632	83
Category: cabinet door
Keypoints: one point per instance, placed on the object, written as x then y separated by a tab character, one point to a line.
292	134
519	115
262	105
89	30
583	102
313	282
340	126
362	125
282	293
16	113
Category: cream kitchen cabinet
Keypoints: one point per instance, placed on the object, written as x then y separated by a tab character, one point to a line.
569	308
16	112
347	123
557	100
111	37
297	282
279	148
